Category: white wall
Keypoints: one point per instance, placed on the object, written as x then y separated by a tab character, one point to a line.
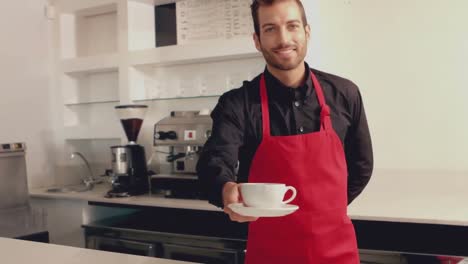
408	57
24	84
410	60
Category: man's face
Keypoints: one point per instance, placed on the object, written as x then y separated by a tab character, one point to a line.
283	37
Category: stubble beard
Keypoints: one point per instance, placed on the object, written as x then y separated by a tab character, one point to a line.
287	66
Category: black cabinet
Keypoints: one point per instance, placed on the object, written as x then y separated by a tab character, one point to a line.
187	235
121	245
202	255
199	249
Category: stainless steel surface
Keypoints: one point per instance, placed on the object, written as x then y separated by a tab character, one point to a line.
68	189
13	176
17	217
12	147
173	176
188	162
78	154
129	171
204	254
183	123
22	221
58	190
185	133
90	180
120	160
121	245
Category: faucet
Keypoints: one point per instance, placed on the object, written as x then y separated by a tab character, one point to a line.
90	180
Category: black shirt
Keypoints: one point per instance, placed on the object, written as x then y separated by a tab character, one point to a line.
237	128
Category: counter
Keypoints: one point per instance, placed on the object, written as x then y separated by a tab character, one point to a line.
396	196
399	211
97	195
26	252
425	197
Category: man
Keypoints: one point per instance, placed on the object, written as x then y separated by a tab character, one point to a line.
297	126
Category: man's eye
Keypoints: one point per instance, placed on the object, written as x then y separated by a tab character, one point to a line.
293	26
270	29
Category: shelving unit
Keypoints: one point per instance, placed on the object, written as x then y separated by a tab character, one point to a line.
91	30
108	56
175	98
91	64
95	132
97	87
202	52
84	6
85	120
163	2
90	103
192	80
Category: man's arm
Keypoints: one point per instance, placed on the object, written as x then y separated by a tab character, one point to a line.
358	149
220	153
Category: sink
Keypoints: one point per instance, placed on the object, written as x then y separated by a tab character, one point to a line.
58	190
69	189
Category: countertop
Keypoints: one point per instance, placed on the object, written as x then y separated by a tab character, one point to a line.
397	196
26	252
429	197
97	195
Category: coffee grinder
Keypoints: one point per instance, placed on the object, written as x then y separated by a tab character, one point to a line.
129	171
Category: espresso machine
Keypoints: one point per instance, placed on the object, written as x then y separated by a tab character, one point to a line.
129	171
184	133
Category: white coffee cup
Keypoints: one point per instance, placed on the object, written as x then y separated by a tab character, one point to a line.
265	195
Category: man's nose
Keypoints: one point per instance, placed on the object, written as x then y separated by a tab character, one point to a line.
284	36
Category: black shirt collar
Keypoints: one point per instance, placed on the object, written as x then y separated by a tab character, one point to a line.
279	91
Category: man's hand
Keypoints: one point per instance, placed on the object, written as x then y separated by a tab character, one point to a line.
231	195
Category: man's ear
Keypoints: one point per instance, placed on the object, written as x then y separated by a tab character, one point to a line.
257	41
307	31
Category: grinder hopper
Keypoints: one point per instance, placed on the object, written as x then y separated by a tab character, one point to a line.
131	117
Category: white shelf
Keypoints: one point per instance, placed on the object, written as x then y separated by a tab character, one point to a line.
92	132
91	64
157	2
87	7
174	98
202	52
91	102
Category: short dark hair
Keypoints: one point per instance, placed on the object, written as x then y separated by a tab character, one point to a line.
257	3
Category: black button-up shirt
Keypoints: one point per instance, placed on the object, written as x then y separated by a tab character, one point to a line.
237	128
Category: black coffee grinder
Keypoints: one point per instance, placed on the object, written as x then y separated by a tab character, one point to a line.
129	171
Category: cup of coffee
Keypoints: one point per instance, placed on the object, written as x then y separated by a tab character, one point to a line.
266	195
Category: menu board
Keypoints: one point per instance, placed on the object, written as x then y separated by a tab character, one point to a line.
212	19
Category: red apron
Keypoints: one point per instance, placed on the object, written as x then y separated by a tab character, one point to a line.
314	163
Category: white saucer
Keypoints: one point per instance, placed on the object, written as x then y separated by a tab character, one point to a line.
263	212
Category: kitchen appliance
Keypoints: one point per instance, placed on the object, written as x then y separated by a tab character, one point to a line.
18	219
13	177
177	234
129	171
184	133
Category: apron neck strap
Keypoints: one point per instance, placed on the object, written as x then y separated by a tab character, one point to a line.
265	110
325	121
